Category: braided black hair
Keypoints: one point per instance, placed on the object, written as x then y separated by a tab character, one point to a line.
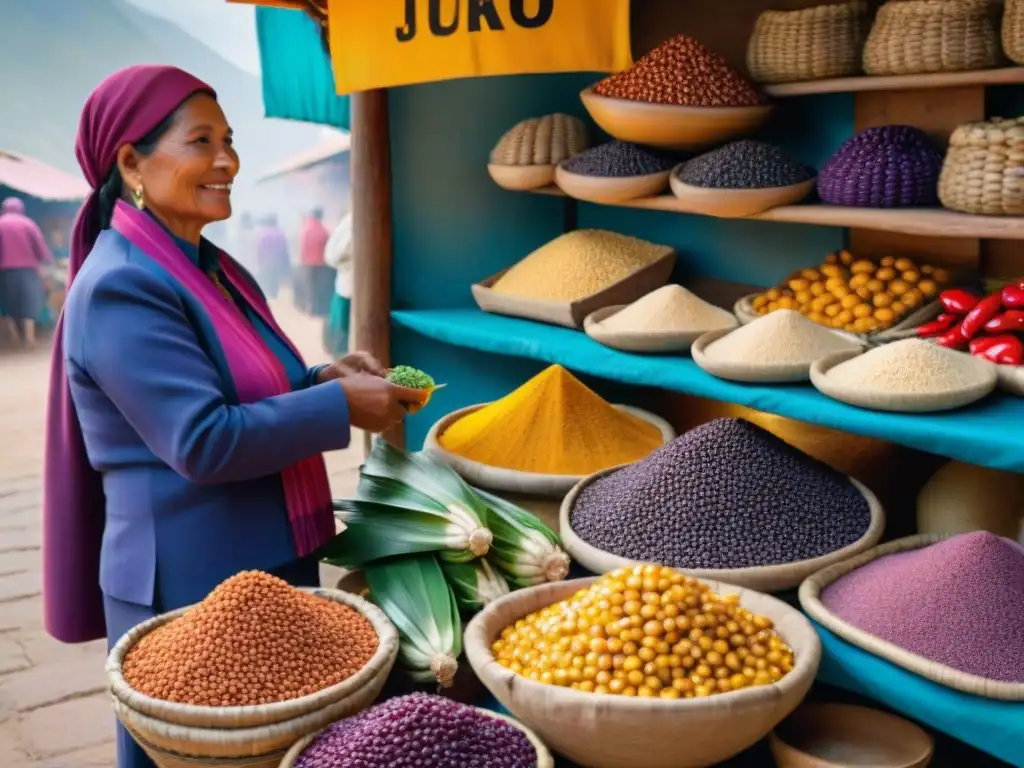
113	188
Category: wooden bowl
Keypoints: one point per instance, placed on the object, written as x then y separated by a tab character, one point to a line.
610	189
848	736
765	578
752	373
501	479
668	126
521	178
604	731
665	341
900	402
736	203
544	758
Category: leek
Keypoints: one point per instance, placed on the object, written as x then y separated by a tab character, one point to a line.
414	595
525	550
475	584
395	512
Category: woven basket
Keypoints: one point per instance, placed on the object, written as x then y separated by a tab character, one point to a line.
912	37
601	731
810	600
544	758
984	168
809	44
173	713
764	578
1013	30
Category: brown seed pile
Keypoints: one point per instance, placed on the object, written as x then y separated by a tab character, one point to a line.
683	72
254	640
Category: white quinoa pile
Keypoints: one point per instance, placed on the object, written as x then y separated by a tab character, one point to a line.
670	308
911	366
783	337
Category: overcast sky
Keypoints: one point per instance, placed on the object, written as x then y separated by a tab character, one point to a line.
228	28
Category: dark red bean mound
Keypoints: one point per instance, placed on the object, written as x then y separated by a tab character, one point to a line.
727	494
959	602
620	159
420	731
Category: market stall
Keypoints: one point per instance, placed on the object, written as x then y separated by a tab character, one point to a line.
848	281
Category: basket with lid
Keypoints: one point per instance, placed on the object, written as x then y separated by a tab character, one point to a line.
808	44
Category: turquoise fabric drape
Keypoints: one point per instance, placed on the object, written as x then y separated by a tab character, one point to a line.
298	83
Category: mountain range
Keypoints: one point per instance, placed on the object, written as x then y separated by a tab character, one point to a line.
53	53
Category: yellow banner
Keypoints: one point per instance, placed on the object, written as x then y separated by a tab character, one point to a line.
384	43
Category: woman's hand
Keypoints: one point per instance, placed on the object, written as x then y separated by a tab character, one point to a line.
351	364
374	403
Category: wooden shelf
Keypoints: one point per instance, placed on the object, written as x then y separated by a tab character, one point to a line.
982	77
930	222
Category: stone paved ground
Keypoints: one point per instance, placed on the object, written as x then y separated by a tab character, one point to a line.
53	710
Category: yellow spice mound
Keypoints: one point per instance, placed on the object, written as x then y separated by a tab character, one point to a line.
578	264
552	425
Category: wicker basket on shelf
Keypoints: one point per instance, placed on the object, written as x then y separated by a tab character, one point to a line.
911	37
984	168
809	44
1013	30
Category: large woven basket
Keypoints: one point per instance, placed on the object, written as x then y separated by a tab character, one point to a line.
911	37
222	736
764	578
544	758
809	44
1013	30
810	600
984	168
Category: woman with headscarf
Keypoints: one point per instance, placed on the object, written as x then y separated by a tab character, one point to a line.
184	432
23	253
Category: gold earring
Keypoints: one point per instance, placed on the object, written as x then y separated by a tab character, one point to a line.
138	199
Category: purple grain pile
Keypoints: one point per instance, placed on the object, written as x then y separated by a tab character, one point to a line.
727	494
892	166
959	602
420	731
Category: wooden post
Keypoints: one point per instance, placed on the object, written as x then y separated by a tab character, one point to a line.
371	230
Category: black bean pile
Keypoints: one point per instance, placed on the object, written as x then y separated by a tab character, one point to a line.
727	494
620	159
745	164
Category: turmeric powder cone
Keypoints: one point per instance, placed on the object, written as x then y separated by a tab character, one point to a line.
553	425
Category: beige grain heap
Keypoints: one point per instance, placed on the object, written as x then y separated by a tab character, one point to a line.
578	264
544	140
912	367
669	309
783	337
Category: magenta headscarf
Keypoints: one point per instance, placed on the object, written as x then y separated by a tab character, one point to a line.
122	110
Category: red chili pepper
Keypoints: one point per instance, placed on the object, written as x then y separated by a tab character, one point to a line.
1007	322
984	311
941	323
952	339
958	301
1005	350
1013	295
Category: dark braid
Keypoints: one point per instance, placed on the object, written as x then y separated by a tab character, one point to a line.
113	188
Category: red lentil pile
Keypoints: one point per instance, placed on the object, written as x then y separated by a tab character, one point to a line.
254	640
683	72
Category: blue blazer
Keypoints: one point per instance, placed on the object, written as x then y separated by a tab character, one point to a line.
192	483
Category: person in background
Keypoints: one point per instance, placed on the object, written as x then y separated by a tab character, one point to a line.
316	279
338	256
273	263
23	254
184	432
